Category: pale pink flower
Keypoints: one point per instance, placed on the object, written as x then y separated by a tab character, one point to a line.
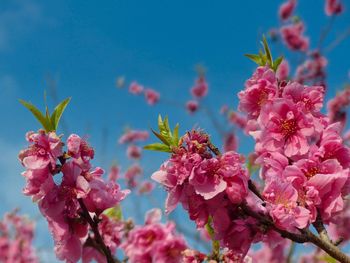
152	96
114	173
103	195
131	136
135	88
282	205
146	187
131	174
283	70
293	36
133	152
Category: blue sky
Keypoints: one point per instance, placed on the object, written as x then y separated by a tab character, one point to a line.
85	46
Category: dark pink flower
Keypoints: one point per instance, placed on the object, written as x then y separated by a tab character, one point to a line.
200	89
293	36
333	7
286	9
152	96
192	106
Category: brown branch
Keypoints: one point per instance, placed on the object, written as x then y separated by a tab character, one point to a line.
328	247
252	187
94	226
305	235
320	228
213	148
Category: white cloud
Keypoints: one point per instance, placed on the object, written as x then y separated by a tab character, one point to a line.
17	18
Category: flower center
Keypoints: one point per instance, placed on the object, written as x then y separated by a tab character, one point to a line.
311	172
289	127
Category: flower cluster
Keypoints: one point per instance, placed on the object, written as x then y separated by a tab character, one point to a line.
131	138
198	92
67	201
304	162
210	188
152	97
16	237
154	241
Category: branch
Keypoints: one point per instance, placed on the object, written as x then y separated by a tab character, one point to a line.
252	187
305	235
329	248
94	226
320	228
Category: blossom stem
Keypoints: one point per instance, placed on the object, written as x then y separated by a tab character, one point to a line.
252	187
290	252
214	149
305	236
94	226
320	228
328	247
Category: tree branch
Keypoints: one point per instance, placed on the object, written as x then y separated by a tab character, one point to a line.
94	226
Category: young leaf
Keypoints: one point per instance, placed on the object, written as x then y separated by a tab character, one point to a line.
114	213
277	62
57	113
254	58
267	52
38	115
161	137
176	135
158	147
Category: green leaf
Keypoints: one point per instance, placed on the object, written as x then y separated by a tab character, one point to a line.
114	213
57	113
38	115
267	52
161	137
176	134
158	147
254	58
277	62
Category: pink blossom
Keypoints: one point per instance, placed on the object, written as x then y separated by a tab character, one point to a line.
152	96
200	89
285	128
170	250
132	136
133	152
283	70
292	36
312	70
104	195
258	92
282	200
192	106
42	152
16	238
286	9
114	173
193	256
146	187
237	119
135	88
333	7
131	174
154	242
230	142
